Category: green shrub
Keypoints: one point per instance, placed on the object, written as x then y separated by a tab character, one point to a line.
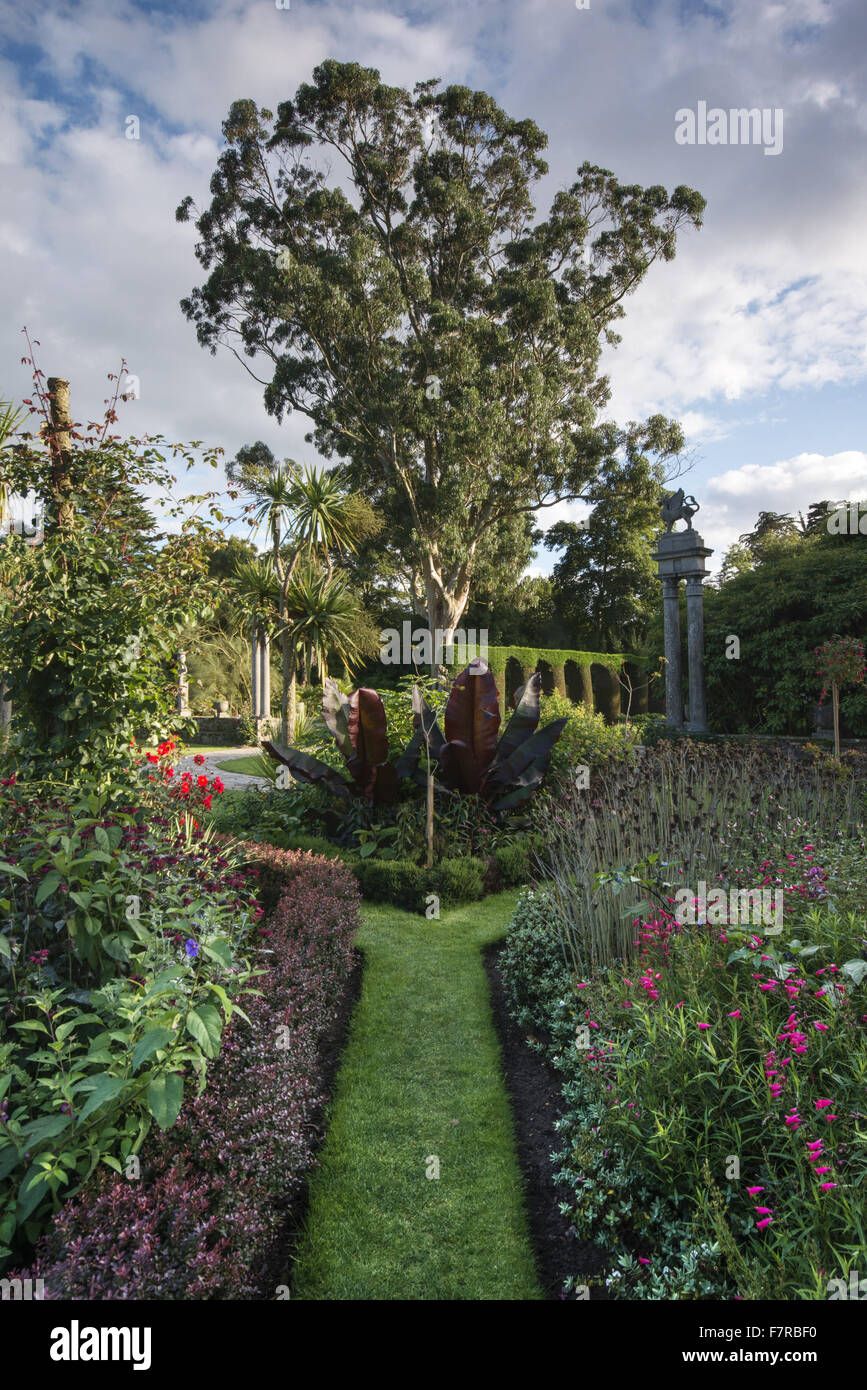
514	863
459	880
533	963
396	881
586	737
315	844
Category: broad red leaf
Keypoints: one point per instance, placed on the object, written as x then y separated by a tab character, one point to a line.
368	732
472	719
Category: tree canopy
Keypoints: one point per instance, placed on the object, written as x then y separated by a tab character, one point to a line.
374	262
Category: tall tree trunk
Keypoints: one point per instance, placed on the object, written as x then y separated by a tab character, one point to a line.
293	704
289	706
5	713
444	613
60	447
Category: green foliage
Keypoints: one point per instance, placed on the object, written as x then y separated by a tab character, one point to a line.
531	656
605	582
122	954
586	738
396	881
697	808
89	618
515	862
715	1043
459	880
498	385
535	968
792	602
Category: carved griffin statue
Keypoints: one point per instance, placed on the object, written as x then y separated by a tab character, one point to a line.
676	507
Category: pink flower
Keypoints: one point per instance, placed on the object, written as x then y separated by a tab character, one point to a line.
826	1186
823	1170
736	1013
766	1221
821	1104
764	1211
642	1260
754	1191
702	1025
822	1027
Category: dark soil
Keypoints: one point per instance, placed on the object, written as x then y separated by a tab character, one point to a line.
534	1091
330	1052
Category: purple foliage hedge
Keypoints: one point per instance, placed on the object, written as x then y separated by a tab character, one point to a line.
204	1219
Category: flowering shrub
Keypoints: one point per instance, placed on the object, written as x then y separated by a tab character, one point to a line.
205	1218
184	792
714	1085
122	954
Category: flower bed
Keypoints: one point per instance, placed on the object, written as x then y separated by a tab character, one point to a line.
713	1083
204	1216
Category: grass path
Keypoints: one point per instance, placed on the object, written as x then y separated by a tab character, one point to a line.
420	1077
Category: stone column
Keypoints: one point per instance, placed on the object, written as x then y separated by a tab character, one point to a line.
254	672
264	684
260	682
695	638
671	615
183	685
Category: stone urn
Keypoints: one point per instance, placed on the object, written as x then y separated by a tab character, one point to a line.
221	708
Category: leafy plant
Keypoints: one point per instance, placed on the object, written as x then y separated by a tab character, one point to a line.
358	726
470	760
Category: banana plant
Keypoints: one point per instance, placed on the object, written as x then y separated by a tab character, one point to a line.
469	757
358	725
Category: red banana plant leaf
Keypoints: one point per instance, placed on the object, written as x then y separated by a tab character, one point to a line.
472	722
368	731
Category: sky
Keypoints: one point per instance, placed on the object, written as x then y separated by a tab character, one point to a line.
754	337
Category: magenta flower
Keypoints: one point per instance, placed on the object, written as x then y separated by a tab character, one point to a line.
821	1104
766	1221
754	1191
826	1186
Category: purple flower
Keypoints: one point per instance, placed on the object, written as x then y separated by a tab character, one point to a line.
190	947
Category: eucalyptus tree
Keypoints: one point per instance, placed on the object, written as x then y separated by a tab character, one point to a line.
373	260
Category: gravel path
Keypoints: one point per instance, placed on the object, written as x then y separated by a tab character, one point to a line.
232	781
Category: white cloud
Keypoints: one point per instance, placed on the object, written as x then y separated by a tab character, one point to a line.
770	296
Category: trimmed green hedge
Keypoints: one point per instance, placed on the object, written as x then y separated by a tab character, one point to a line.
530	656
453	881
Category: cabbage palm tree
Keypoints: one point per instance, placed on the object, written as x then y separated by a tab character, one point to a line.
308	512
322	616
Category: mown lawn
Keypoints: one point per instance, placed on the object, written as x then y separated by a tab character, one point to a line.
253	765
420	1079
